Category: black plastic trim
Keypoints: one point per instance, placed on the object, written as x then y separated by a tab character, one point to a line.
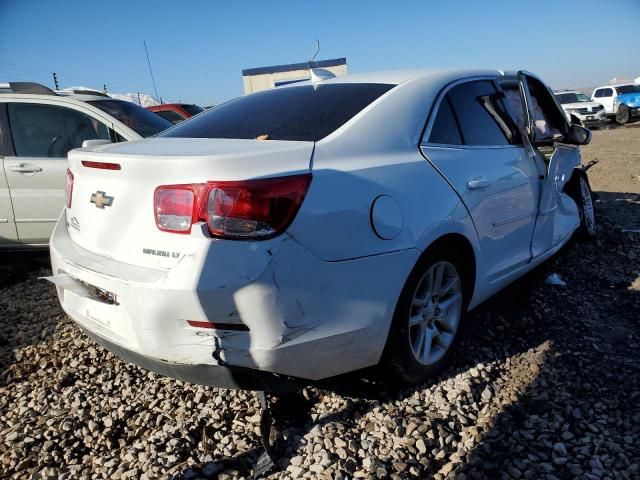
233	377
6	142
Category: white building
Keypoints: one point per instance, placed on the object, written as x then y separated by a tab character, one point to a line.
263	78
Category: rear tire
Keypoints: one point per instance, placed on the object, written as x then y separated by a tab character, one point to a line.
428	319
622	116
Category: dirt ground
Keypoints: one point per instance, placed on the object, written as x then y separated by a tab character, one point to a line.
616	175
617	151
546	384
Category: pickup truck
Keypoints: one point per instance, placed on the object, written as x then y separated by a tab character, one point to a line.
620	101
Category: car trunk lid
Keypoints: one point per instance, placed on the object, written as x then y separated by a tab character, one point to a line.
112	205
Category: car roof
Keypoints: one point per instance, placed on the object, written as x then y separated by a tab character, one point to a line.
626	84
397	77
53	98
35	90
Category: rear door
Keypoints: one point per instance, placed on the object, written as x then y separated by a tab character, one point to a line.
42	135
481	155
8	234
546	126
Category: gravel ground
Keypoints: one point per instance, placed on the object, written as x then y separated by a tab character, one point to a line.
545	384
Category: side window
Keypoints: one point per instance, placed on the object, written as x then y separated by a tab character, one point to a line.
477	125
445	126
548	119
607	92
116	137
51	131
514	105
597	94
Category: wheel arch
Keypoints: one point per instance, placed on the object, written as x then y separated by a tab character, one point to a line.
447	242
460	244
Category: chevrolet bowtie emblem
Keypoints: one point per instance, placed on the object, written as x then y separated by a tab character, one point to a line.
100	199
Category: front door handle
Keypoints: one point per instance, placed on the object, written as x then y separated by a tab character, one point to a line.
480	183
26	168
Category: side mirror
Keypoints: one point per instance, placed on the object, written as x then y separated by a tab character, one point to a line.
578	135
95	143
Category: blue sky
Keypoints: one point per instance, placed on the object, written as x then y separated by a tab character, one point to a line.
199	48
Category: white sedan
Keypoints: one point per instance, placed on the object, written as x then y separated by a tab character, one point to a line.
318	228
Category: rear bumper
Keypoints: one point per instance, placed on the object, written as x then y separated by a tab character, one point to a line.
212	375
304	318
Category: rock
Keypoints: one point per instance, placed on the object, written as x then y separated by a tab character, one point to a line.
297	460
420	445
560	449
446	468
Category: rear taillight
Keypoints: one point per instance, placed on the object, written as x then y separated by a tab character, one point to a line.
68	190
252	209
175	208
255	208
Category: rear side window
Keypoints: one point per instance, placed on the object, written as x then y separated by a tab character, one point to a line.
51	131
445	127
304	113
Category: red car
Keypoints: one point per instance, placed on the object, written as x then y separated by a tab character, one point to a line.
176	112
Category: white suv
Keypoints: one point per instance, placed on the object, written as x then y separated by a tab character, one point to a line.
37	128
581	109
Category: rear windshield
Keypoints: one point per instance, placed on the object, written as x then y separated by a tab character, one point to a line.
192	109
305	113
139	119
173	117
628	89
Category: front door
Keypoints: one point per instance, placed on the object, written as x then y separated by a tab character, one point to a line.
546	125
42	136
486	163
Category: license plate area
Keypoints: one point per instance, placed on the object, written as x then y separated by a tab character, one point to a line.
99	294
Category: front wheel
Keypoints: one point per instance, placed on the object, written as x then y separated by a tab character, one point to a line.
581	193
622	116
428	319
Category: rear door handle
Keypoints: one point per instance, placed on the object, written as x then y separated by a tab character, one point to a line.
480	183
26	168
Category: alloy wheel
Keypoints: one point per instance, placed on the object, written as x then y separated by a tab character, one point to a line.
435	313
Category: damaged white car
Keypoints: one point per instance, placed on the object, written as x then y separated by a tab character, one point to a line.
321	227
